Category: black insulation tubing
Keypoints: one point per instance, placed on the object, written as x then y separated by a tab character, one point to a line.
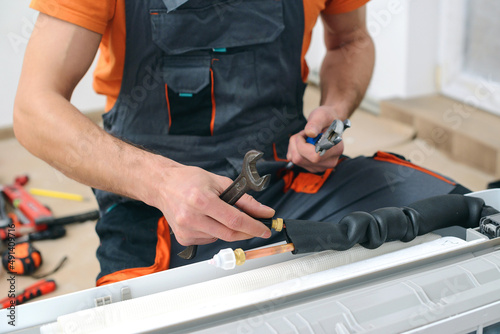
387	224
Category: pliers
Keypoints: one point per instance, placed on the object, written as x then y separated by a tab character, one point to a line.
331	137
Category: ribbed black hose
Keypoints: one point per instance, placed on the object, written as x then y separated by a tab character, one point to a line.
387	224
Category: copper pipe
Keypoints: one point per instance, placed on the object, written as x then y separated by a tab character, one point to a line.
255	254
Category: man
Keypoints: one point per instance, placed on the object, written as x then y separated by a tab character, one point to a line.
191	87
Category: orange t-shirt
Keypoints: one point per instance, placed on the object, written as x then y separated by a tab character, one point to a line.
107	17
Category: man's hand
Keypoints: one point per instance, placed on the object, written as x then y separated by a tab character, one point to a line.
303	154
190	202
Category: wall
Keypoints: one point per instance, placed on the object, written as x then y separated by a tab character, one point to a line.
405	33
16	24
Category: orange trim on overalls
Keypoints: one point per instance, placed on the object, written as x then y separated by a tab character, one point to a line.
162	259
168	108
309	183
288	179
387	157
212	121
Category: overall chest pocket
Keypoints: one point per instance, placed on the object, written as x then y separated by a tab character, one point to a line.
209	58
221	24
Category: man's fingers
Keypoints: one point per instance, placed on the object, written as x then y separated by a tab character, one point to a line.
319	119
300	152
308	151
253	208
215	229
315	124
238	222
313	128
293	148
303	154
206	231
250	207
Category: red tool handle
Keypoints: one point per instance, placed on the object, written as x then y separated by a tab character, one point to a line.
40	288
25	203
15	229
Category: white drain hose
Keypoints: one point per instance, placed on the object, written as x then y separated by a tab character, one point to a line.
138	310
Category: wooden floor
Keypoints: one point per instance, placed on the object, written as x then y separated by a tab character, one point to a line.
368	134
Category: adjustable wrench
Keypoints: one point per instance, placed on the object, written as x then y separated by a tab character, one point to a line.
249	179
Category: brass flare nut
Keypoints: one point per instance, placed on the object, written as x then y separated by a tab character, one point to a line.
239	254
277	224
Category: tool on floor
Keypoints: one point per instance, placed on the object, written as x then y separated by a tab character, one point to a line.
21	232
56	194
31	216
22	259
29	210
78	218
4	218
40	288
331	137
51	233
249	179
44	228
15	229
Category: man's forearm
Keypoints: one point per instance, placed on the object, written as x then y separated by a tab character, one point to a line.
55	131
346	72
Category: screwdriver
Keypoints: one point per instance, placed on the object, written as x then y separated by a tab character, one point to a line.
40	288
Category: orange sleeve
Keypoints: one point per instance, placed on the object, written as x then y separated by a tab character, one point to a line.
342	6
90	14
